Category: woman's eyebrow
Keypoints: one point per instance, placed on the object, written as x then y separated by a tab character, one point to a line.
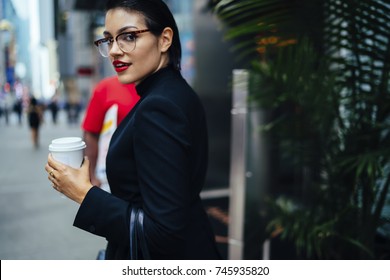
106	33
125	28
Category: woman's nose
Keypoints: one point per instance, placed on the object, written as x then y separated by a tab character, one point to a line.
115	50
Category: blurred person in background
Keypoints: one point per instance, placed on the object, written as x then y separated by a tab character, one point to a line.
1	102
73	109
111	101
54	108
18	104
18	109
35	118
73	104
6	102
157	159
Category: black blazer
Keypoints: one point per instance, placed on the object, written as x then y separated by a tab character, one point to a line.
157	159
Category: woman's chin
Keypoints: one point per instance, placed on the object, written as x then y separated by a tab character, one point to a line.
124	79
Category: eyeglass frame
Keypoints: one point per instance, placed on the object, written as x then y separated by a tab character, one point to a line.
111	39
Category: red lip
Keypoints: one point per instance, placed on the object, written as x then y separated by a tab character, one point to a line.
120	66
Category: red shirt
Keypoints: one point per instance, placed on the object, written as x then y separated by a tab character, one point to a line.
108	92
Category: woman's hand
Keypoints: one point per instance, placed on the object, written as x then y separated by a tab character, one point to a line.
72	182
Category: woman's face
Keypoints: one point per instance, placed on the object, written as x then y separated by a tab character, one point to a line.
150	53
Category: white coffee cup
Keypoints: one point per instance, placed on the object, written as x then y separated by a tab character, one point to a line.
68	150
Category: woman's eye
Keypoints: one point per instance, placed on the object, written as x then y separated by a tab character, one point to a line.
129	37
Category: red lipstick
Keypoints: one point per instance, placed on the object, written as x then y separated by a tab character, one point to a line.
120	66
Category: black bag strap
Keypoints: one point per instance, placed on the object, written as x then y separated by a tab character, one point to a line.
133	235
141	235
137	235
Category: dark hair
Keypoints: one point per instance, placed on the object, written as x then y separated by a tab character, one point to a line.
33	101
157	16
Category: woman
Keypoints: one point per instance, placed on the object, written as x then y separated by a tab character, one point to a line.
34	115
157	157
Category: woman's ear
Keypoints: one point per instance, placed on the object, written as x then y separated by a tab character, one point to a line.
166	39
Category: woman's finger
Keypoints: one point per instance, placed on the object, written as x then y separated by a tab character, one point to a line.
85	164
48	168
55	164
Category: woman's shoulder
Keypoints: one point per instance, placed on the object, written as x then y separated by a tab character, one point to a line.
175	87
170	89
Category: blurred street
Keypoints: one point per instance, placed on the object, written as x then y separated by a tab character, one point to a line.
36	222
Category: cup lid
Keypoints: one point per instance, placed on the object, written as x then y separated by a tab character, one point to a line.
66	144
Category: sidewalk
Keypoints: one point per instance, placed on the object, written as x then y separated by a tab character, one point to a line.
35	221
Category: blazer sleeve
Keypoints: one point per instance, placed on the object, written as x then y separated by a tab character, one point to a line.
162	141
104	214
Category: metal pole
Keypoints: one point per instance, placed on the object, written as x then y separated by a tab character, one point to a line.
238	164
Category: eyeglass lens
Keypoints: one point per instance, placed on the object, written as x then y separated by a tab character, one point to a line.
126	42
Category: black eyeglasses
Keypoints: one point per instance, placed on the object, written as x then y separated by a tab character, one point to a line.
126	42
